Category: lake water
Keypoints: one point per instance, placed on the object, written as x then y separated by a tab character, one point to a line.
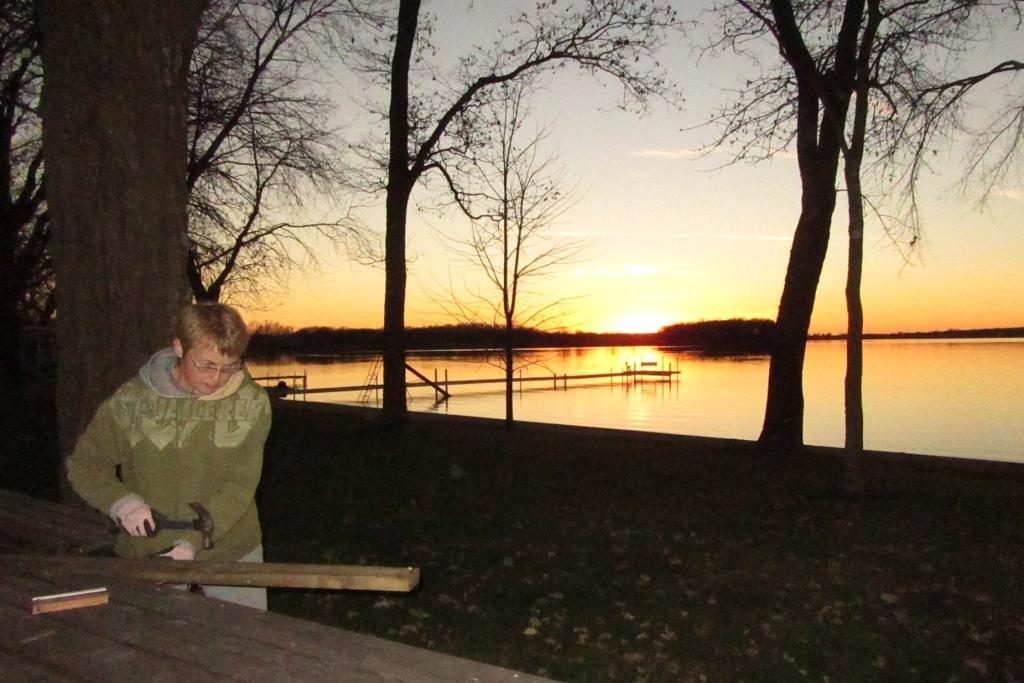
960	398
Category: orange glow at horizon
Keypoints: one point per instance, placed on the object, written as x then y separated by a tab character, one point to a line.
948	291
635	323
922	303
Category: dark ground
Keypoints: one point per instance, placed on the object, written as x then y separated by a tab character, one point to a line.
591	555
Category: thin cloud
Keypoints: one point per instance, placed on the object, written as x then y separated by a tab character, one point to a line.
731	237
620	271
666	153
1009	194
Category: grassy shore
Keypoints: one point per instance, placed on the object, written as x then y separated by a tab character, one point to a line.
591	555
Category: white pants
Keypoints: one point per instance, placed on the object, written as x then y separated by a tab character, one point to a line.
242	595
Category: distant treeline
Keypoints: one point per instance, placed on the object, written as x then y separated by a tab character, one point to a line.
987	333
712	336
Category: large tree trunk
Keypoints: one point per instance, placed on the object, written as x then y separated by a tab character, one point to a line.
784	412
395	410
400	183
823	102
115	140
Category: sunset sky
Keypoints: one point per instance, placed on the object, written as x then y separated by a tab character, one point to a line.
673	237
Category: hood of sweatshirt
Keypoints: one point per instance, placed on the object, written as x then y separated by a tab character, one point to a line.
156	374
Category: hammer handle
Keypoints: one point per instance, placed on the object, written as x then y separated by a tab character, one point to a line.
162	522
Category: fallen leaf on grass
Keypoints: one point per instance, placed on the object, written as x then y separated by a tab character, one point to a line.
890	598
976	664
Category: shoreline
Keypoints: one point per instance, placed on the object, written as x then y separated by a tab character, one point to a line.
875	461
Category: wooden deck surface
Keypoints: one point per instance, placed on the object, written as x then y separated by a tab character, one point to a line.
155	633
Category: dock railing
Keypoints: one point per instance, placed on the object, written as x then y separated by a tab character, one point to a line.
635	373
286	385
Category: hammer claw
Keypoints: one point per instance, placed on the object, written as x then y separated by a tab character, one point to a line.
203	523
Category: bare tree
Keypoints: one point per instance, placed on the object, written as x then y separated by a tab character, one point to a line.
26	269
513	197
853	158
261	152
830	50
813	91
997	143
115	139
433	118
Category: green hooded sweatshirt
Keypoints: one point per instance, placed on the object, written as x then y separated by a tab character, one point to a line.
152	440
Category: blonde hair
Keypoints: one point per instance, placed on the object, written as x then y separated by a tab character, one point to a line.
212	323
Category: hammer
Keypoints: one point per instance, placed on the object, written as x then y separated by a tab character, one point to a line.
203	522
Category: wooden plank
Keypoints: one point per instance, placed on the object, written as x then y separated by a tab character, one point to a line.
177	629
58	602
45	526
52	529
28	507
149	633
26	670
268	574
60	643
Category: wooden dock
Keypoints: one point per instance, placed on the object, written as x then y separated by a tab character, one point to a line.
156	633
639	374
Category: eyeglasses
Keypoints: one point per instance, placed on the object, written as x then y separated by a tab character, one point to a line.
213	368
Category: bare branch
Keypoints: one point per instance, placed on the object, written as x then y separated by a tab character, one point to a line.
513	197
261	150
